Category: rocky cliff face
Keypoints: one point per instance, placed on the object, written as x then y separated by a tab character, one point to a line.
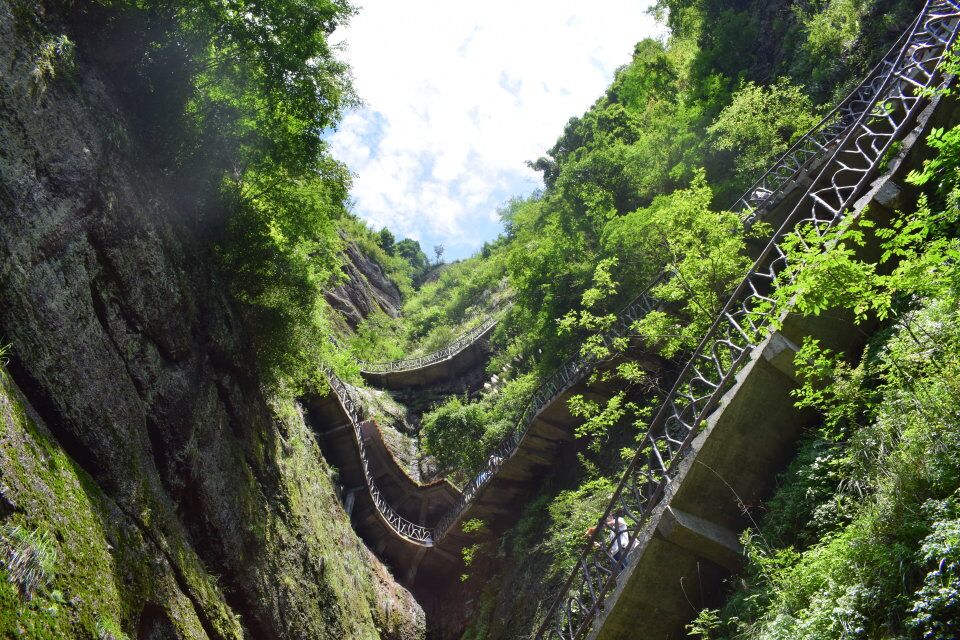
366	289
178	501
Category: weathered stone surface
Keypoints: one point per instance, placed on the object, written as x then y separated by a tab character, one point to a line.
125	343
366	289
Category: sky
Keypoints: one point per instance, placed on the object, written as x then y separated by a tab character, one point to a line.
458	96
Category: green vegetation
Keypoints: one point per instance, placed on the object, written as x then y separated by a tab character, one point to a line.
448	301
232	102
404	261
28	558
55	59
861	539
73	564
760	123
638	185
70	561
460	434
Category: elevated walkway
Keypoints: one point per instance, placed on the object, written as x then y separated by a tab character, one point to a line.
729	424
690	543
416	501
729	417
398	532
417	528
466	352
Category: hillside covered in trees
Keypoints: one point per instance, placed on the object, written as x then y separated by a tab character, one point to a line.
163	470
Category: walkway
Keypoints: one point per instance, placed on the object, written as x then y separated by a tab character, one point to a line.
736	383
465	352
729	424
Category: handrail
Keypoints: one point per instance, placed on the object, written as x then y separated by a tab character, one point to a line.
802	157
562	378
404	528
757	197
418	362
739	328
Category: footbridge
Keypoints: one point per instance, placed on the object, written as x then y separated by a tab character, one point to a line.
417	528
728	424
465	352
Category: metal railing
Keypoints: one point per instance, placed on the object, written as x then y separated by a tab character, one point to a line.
815	150
562	378
352	409
801	158
418	362
729	344
805	155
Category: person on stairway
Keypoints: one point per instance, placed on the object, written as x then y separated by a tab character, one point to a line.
618	543
618	540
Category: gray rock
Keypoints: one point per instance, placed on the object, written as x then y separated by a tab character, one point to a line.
125	342
366	289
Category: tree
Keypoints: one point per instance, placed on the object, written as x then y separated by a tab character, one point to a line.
386	240
410	251
761	123
234	96
453	434
438	252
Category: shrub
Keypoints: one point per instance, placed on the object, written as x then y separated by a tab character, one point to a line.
453	434
29	558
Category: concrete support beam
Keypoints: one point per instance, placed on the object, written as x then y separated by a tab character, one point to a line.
551	429
484	508
702	538
780	351
333	433
889	196
415	564
349	499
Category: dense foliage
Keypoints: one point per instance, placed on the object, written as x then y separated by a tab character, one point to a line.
639	183
459	434
447	301
735	83
861	541
232	100
861	538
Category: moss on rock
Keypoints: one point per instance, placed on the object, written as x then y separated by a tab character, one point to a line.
105	572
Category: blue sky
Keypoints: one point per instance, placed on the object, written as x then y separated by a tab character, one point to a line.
458	96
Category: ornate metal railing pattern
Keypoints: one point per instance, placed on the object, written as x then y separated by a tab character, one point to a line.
757	200
802	157
410	364
730	342
404	528
562	378
799	158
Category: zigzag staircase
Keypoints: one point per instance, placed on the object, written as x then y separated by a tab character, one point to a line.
728	414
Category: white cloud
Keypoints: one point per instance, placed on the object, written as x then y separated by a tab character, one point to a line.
458	96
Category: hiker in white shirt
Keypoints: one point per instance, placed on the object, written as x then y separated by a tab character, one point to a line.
618	540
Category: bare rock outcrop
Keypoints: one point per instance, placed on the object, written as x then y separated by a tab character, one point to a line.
366	289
